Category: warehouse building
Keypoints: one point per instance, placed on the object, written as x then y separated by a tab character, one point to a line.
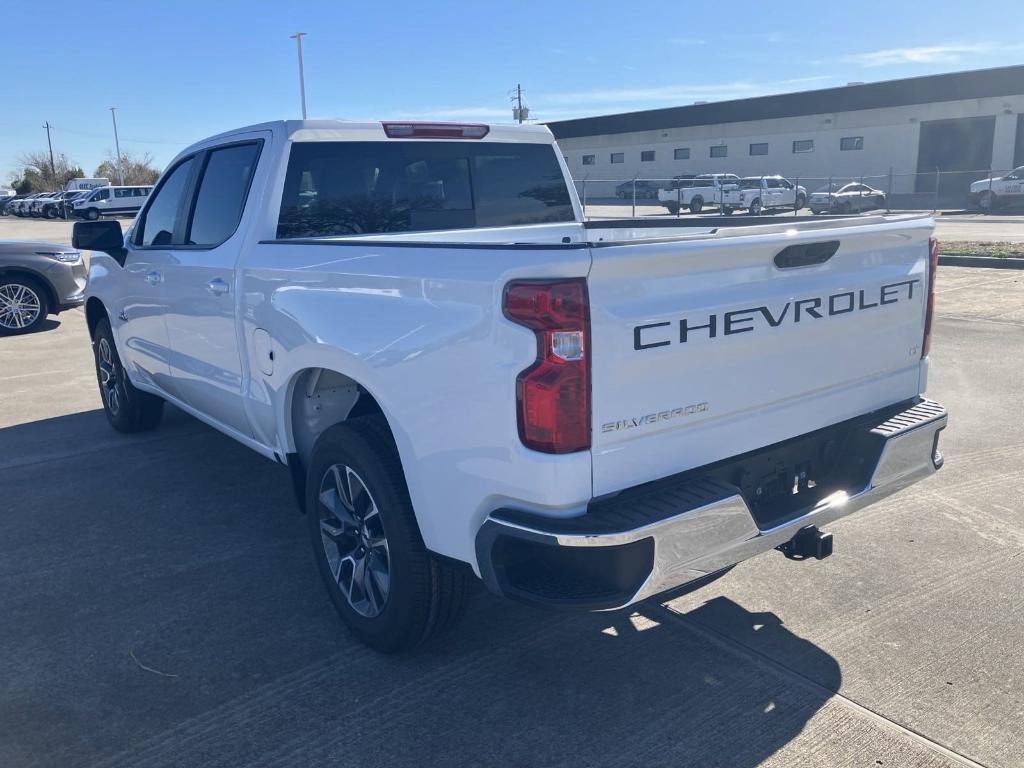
923	135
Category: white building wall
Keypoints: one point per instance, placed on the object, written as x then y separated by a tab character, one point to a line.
890	141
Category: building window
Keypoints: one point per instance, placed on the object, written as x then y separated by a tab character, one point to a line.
720	150
848	143
647	156
759	149
618	157
588	159
803	145
681	153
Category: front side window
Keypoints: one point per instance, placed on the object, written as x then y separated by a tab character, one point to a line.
161	219
103	194
647	156
588	159
720	150
760	148
681	153
803	145
352	188
618	157
222	191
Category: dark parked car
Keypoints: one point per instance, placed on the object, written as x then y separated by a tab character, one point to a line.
645	190
36	280
846	198
5	203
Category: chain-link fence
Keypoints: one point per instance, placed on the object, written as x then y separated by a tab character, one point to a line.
840	193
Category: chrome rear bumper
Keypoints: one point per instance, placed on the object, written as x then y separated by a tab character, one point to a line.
644	542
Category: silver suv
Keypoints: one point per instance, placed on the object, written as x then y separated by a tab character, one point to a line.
36	280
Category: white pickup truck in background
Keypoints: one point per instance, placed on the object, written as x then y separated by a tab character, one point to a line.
695	191
467	379
763	193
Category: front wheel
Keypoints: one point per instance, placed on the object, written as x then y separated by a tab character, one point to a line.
92	214
801	201
390	592
128	409
727	210
23	305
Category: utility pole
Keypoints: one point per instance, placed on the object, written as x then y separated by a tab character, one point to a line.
297	37
117	148
519	102
53	168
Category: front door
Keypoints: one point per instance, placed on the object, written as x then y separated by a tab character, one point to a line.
200	288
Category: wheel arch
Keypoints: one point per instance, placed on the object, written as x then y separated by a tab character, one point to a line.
36	277
95	311
316	399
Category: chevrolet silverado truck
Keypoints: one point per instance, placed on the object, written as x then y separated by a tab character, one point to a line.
467	379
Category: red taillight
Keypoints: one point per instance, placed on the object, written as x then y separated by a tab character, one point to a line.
933	265
435	130
553	394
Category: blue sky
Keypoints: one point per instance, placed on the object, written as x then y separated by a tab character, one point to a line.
182	70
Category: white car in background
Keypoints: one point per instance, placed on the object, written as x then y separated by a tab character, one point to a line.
111	201
996	191
846	198
762	193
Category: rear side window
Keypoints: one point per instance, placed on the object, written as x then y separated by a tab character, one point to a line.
164	212
222	192
361	188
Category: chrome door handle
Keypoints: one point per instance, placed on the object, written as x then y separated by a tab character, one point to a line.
217	287
153	278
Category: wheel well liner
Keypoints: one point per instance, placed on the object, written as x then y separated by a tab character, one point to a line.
94	312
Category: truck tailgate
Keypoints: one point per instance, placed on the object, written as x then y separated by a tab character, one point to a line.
707	348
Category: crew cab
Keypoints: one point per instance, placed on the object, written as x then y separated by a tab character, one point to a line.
762	193
694	191
467	379
997	191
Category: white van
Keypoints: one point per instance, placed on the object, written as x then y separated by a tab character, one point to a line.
111	201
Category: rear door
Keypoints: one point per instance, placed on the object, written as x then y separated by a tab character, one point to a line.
705	349
199	285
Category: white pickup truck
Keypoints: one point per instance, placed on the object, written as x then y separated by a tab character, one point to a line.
695	191
467	379
763	193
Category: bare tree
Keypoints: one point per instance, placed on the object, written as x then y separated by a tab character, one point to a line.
38	176
137	169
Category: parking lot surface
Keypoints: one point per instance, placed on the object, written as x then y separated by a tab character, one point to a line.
161	606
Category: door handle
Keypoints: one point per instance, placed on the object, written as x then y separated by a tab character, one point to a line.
153	278
217	287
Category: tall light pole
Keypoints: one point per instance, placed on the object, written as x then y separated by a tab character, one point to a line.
297	37
117	148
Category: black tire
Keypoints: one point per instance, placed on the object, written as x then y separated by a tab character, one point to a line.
31	296
987	201
50	213
92	214
697	204
727	210
755	207
801	201
128	409
424	596
673	207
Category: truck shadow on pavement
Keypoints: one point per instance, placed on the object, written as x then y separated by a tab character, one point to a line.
161	607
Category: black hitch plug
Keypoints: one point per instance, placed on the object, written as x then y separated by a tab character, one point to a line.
809	542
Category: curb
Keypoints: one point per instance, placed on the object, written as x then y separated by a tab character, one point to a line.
993	262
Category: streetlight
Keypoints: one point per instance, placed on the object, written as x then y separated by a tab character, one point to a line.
117	148
297	37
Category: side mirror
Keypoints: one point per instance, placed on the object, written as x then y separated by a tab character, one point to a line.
104	236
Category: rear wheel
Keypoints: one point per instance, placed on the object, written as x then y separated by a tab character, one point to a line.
673	207
23	305
128	409
390	592
697	204
987	200
755	207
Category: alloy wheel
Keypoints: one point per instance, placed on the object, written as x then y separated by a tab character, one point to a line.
19	306
106	364
354	540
